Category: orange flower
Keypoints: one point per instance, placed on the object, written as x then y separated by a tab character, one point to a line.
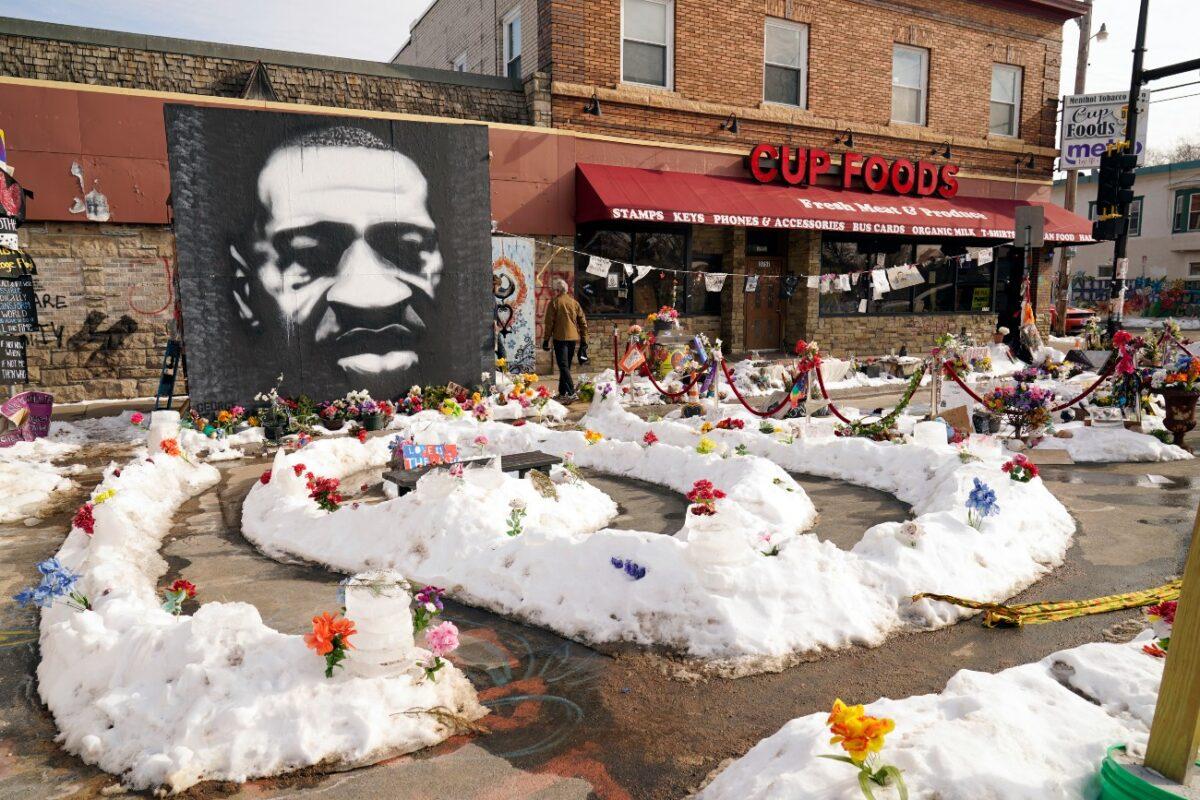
860	735
170	446
325	628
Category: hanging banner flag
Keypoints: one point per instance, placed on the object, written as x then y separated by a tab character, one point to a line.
751	284
814	281
598	266
714	281
794	394
641	273
982	256
904	276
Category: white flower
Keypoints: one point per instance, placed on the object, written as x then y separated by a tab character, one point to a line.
516	504
910	533
431	608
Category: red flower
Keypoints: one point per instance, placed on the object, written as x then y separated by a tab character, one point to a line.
329	631
136	418
265	478
703	497
801	346
730	424
517	423
649	438
184	586
170	446
361	435
84	520
1122	338
298	469
1164	611
325	492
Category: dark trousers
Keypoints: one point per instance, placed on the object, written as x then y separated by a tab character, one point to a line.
563	353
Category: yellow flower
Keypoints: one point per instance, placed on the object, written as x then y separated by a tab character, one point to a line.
859	734
224	417
107	494
531	378
476	397
592	436
706	427
501	363
706	446
253	422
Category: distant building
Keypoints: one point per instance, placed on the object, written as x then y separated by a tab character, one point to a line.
1164	230
487	37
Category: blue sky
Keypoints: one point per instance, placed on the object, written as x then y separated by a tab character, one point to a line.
375	29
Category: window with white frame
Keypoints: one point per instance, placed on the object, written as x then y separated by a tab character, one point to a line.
1194	271
511	27
910	83
647	42
460	64
1187	211
785	57
1135	217
1005	116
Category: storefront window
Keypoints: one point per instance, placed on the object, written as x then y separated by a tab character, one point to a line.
664	249
949	286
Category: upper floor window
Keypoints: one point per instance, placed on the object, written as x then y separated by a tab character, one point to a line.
1187	211
910	83
512	43
460	64
647	41
786	62
1193	270
1005	116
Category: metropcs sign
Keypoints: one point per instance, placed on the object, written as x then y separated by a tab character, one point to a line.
799	166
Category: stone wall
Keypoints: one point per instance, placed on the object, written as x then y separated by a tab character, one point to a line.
105	307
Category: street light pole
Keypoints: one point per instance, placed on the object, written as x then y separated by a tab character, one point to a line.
1120	261
1064	271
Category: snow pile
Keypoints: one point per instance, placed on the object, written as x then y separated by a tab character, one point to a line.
711	590
1032	732
1110	443
170	701
29	476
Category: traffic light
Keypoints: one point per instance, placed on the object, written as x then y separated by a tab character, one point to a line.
1114	191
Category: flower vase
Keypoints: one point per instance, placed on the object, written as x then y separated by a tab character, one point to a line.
335	424
716	551
662	325
373	422
379	605
1180	413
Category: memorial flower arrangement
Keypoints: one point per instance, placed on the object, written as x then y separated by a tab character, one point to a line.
428	605
1162	617
592	436
706	446
176	593
703	497
136	418
862	737
808	356
57	583
981	503
649	439
884	429
265	478
440	640
1020	468
330	637
1183	375
84	520
516	513
451	408
665	314
731	424
324	491
629	567
1025	406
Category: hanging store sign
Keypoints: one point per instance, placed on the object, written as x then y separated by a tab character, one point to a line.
799	166
1091	122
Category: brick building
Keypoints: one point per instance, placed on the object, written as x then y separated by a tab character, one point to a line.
964	81
580	141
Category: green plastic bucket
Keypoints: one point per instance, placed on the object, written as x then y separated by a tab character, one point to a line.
1117	783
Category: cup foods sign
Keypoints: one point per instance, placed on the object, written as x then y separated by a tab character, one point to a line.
1091	122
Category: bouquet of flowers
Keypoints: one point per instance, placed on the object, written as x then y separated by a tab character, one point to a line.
1183	375
330	638
57	582
1020	468
1025	406
862	737
704	497
731	424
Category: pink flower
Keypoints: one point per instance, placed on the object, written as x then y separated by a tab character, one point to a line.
136	417
237	411
481	441
456	471
442	639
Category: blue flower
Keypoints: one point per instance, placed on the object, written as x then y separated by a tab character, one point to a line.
24	597
983	499
634	570
49	566
616	562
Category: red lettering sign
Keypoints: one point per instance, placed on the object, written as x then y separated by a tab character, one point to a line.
798	166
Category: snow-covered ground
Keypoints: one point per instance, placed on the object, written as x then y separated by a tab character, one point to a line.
1034	732
1110	444
167	701
1185	323
709	590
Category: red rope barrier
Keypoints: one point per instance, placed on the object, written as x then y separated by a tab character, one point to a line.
669	395
952	373
832	408
948	369
769	413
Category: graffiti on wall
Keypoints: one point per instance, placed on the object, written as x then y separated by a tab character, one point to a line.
513	290
1144	297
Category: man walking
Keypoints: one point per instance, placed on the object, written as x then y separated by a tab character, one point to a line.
566	325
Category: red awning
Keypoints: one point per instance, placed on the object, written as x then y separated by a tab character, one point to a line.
627	193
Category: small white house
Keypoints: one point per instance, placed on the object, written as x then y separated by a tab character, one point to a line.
1164	226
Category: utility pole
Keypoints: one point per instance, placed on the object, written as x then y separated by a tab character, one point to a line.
1064	270
1120	261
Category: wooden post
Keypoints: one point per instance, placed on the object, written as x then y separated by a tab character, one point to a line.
1175	734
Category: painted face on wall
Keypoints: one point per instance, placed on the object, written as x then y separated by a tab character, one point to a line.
347	257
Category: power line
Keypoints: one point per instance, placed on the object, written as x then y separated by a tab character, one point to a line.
1180	97
1176	86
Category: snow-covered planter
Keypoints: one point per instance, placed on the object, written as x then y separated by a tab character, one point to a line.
168	701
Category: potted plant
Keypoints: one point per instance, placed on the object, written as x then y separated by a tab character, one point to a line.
1024	405
331	414
371	415
664	320
1179	387
274	414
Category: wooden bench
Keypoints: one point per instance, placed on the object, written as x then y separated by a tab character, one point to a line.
520	463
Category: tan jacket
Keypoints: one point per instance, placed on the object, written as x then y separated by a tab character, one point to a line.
565	321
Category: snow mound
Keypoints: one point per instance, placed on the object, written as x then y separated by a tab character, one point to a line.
166	701
711	590
1020	734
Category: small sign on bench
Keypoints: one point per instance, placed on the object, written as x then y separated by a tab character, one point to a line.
415	456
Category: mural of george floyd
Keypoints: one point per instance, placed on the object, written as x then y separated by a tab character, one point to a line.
342	253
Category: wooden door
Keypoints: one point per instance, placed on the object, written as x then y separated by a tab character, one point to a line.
762	305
